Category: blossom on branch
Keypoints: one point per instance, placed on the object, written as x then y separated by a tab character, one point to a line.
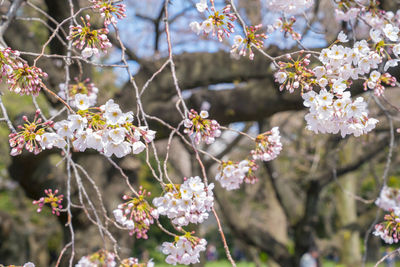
135	214
242	45
185	203
84	87
33	136
89	40
268	145
289	6
231	175
52	199
109	10
184	250
101	258
219	23
202	128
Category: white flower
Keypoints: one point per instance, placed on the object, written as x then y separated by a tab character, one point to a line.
281	76
113	115
238	40
117	134
375	35
309	98
82	102
120	150
319	71
87	52
80	143
94	140
339	86
138	147
375	75
391	63
78	123
323	82
202	6
342	37
391	32
48	140
396	49
207	26
278	23
324	97
29	264
204	114
195	27
63	128
148	135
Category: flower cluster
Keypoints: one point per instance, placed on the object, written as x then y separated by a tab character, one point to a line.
135	214
231	175
268	145
84	87
389	229
109	11
26	80
289	6
7	58
368	11
376	79
337	112
348	15
202	128
241	45
51	198
102	258
28	264
106	129
185	250
186	203
92	40
134	262
20	77
31	136
295	74
220	23
389	199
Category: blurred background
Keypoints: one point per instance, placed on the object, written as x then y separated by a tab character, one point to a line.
317	195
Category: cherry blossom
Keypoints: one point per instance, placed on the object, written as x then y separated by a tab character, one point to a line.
109	11
135	214
25	80
89	40
186	203
268	145
289	6
242	45
219	23
184	250
201	128
101	258
334	113
52	199
30	136
389	229
79	87
231	175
